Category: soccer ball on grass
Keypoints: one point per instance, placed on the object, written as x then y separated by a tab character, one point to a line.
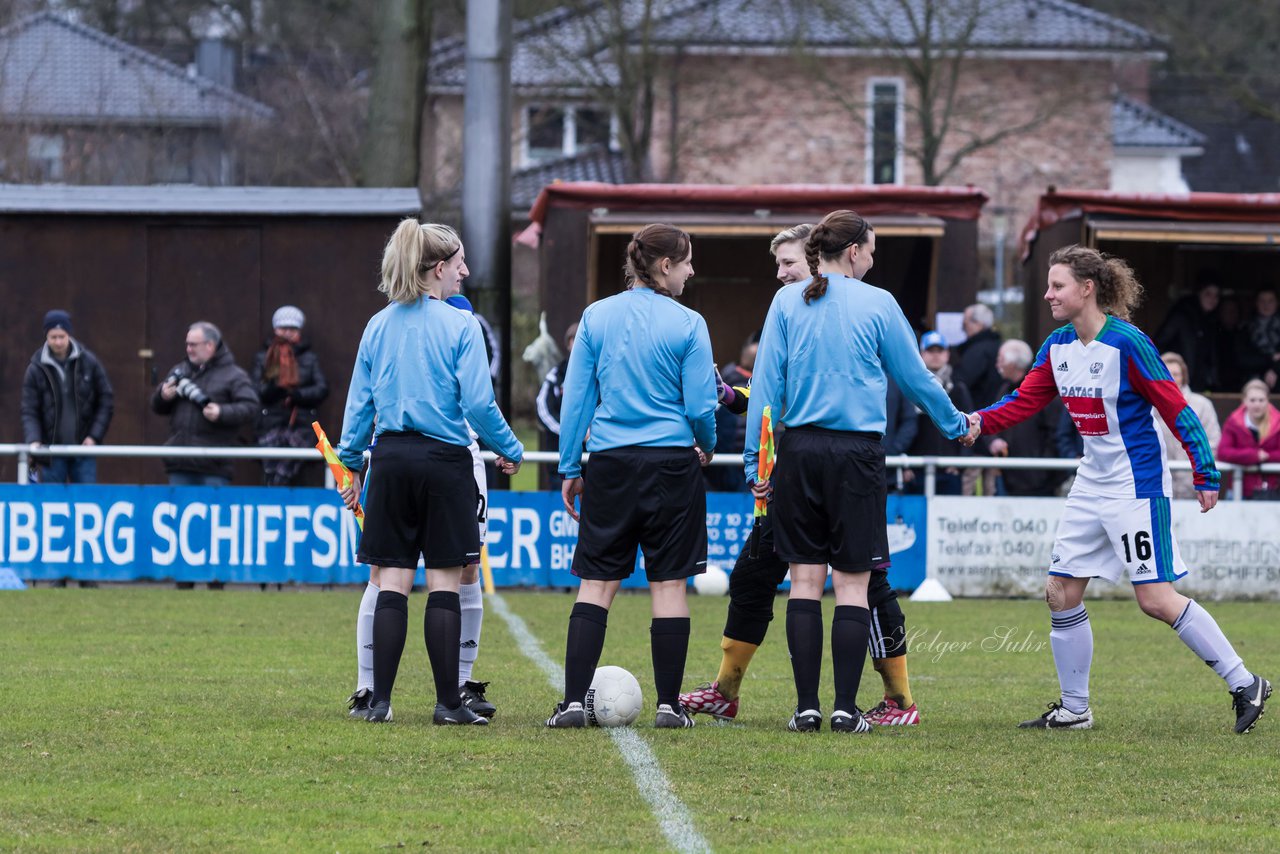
614	698
713	582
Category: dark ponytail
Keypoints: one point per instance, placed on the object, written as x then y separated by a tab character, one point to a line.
837	232
650	245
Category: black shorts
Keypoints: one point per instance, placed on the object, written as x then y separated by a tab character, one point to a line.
653	499
423	502
829	497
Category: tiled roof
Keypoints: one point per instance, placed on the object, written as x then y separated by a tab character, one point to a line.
52	69
1003	25
1137	125
279	201
560	50
601	165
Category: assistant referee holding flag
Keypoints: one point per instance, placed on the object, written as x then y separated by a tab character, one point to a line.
826	345
422	376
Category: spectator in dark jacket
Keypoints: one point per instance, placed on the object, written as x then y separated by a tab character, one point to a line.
290	385
929	441
1193	331
1258	344
208	398
66	400
976	358
1035	437
900	425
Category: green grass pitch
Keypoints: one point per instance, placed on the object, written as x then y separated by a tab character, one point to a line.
152	719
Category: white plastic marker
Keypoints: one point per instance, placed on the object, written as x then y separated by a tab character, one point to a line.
672	815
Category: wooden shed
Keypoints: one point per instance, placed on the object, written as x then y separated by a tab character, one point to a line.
136	266
1173	243
926	245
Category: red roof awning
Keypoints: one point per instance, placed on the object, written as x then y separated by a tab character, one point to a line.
963	203
1185	207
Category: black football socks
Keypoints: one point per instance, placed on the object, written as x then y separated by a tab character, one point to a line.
804	639
442	631
390	624
587	624
669	644
849	631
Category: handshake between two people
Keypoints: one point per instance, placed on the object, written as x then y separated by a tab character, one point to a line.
975	430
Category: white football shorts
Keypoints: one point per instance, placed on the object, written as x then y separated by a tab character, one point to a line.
1105	537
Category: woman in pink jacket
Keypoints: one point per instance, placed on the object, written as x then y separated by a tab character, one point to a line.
1251	437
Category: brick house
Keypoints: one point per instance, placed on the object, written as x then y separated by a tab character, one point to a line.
756	93
80	107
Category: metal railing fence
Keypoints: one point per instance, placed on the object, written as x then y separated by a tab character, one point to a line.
26	454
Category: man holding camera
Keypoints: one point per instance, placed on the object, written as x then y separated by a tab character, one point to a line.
208	397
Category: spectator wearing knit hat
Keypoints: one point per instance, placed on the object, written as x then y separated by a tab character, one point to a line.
290	385
66	400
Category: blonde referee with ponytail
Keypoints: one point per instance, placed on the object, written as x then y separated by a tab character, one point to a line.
421	376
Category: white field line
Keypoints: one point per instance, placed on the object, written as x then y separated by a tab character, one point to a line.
672	815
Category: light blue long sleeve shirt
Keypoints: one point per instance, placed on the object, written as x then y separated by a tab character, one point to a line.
640	373
823	364
422	368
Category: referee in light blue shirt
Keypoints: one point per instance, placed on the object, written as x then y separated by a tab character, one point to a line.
642	385
826	346
421	374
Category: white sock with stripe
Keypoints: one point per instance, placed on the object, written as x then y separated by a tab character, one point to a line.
364	637
1071	637
1199	630
471	600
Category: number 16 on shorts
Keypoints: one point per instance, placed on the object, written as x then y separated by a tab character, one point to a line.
1111	537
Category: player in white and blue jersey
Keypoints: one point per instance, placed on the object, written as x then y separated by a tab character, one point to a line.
1116	521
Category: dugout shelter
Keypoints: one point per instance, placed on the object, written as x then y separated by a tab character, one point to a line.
926	245
136	265
1173	242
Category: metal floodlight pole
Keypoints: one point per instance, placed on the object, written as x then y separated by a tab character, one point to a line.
486	172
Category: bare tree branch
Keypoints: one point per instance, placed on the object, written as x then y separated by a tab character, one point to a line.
935	55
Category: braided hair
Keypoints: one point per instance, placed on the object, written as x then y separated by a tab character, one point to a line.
837	232
650	245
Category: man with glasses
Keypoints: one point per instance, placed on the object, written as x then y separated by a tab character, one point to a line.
207	397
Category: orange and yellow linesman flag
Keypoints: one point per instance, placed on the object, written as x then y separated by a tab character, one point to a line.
764	470
341	474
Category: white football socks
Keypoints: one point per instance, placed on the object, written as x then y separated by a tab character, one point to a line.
471	601
1071	638
364	638
1199	630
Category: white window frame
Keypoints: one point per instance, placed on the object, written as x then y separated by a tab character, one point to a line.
899	129
569	134
48	149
